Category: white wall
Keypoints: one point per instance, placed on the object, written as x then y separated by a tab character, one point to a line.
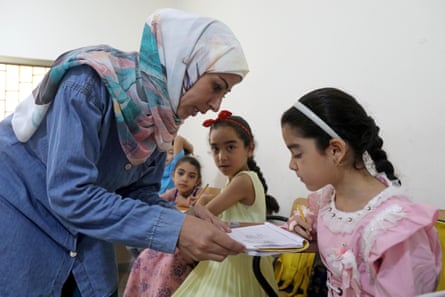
44	29
389	54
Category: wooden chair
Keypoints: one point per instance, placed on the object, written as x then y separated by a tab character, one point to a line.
209	194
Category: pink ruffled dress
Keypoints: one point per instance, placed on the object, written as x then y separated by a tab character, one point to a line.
388	248
157	274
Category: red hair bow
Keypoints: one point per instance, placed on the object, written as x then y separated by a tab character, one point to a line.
222	115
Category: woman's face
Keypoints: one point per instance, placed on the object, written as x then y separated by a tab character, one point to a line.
207	93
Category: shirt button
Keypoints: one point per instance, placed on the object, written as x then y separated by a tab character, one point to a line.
128	166
73	254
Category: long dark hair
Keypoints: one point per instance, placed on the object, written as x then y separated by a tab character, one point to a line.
348	119
244	132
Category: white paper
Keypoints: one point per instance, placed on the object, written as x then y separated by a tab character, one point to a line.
263	239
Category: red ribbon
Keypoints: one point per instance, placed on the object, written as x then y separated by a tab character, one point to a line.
222	115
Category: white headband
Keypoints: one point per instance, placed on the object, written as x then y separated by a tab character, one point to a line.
316	119
367	160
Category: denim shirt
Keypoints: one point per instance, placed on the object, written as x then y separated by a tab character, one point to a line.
69	193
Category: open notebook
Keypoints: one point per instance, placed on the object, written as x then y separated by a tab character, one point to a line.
268	239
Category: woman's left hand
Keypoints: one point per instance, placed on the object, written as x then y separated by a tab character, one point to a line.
203	213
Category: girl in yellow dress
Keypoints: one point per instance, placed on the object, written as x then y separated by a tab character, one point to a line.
243	199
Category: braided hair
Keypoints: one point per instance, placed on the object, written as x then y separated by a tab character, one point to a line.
341	112
244	132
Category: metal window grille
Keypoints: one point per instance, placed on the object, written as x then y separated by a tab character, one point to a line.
18	77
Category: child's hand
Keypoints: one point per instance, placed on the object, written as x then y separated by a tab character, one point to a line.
182	202
191	200
202	199
301	226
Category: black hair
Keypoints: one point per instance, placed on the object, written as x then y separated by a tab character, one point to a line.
272	205
348	119
244	132
192	160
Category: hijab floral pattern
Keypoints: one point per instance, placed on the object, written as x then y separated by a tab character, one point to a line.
145	87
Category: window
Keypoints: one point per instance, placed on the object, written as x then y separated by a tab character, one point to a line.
18	77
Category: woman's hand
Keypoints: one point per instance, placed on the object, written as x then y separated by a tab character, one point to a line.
202	212
301	226
201	240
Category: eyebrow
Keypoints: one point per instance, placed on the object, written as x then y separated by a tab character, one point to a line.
225	81
293	146
225	143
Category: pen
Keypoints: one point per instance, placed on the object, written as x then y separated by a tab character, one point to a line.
233	224
200	194
300	212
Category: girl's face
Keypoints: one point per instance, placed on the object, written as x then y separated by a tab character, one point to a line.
186	178
228	150
314	168
207	93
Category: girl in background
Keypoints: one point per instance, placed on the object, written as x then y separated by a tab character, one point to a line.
180	147
373	240
158	274
187	180
242	199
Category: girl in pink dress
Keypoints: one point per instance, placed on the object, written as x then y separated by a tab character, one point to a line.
157	274
372	239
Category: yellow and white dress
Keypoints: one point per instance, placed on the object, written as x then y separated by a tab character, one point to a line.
234	276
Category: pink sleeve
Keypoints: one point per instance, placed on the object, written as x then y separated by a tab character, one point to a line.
407	253
318	199
412	263
313	203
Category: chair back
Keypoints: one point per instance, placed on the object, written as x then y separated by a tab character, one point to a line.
440	226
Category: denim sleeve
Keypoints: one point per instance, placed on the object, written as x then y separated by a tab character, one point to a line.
147	187
77	127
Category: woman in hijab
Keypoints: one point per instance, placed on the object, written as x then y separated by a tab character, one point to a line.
82	158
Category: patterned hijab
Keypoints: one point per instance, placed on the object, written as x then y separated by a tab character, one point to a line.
146	87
